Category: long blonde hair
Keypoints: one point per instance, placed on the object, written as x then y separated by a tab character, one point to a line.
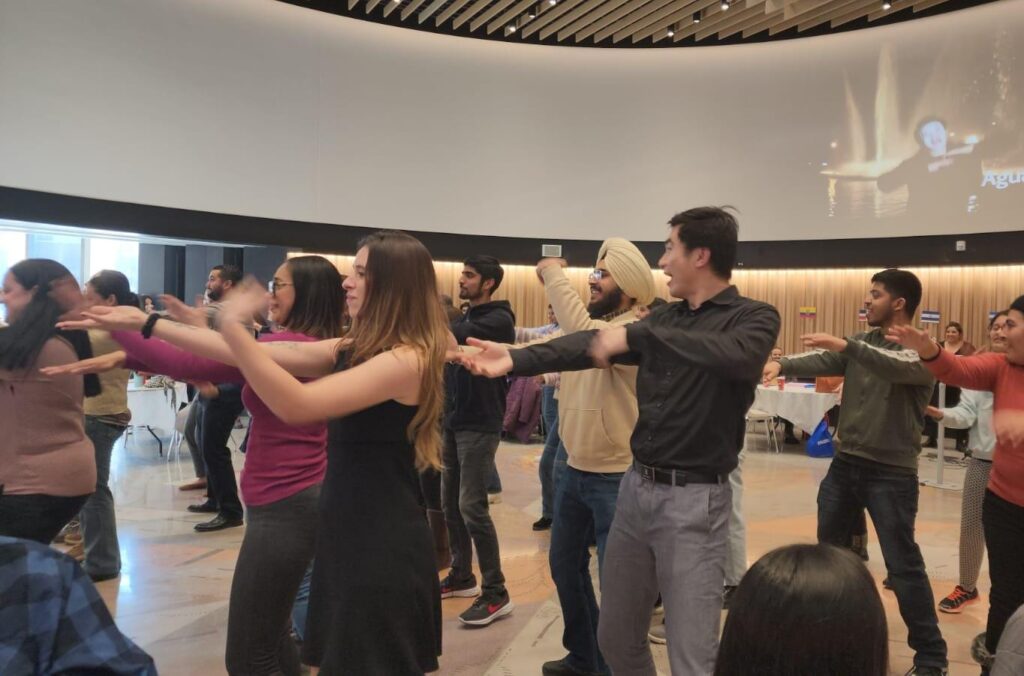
401	308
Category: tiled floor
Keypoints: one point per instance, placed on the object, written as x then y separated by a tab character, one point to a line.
172	596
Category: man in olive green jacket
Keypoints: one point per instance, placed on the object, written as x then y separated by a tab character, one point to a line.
885	393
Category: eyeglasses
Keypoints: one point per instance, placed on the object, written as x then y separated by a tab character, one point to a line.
274	285
598	274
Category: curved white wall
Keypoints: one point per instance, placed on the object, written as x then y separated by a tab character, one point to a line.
261	108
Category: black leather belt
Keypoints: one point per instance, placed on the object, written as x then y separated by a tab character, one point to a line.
677	477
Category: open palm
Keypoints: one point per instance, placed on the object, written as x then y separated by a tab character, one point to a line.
911	338
101	364
108	318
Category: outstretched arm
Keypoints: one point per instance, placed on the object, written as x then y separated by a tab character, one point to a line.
738	353
977	372
390	375
301	359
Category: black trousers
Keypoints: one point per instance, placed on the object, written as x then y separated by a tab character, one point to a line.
37	517
218	419
276	550
1003	522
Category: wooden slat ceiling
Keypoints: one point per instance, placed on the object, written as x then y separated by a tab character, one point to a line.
636	23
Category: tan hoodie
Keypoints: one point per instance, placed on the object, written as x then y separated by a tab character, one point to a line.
597	408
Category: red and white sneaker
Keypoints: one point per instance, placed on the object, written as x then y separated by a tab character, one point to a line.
453	588
956	601
487	609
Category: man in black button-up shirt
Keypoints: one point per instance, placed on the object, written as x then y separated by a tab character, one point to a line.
699	363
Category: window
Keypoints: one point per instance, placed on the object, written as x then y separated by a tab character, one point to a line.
64	249
12	250
114	254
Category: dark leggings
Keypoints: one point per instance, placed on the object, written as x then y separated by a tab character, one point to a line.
276	550
37	517
1003	523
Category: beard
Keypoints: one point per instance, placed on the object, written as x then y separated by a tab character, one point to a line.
606	305
879	319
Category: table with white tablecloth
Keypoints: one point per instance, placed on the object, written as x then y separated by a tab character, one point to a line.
797	403
155	407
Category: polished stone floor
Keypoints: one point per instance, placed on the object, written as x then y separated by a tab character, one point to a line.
172	596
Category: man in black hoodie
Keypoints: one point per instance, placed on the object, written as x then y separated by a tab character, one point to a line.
474	411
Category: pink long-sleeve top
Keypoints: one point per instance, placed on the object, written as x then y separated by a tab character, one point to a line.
281	459
991	372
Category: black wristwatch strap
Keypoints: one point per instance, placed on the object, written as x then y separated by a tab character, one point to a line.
147	328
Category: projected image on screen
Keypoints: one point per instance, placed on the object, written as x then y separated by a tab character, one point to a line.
945	148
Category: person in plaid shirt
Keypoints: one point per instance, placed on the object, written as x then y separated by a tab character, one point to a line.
52	620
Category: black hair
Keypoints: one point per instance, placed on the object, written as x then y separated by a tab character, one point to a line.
1018	304
23	340
805	609
711	228
107	283
901	284
319	297
955	325
489	267
228	273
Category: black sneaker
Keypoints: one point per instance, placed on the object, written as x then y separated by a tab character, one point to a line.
928	671
487	609
561	668
955	602
727	593
543	523
465	590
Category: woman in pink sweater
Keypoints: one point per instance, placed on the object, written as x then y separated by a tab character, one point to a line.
1003	507
284	464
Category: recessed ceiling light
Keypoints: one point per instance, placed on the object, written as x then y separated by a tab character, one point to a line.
696	17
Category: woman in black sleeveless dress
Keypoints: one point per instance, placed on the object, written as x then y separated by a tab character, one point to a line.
375	601
375	605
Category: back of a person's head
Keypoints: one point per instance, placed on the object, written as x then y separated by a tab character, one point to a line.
107	283
805	610
319	305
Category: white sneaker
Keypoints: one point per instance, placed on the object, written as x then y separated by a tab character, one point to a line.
657	634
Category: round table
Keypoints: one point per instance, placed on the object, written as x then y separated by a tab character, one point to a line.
798	403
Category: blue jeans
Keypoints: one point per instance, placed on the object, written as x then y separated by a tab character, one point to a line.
584	507
300	609
549	409
99	525
891	500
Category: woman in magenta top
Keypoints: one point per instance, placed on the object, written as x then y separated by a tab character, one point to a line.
284	464
1003	506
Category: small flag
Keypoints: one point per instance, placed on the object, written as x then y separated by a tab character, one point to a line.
808	311
862	315
929	316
